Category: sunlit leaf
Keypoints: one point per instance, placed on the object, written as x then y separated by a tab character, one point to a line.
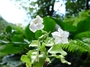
26	59
34	43
40	62
62	58
57	49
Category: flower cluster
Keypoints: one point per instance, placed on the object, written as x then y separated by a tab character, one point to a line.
60	36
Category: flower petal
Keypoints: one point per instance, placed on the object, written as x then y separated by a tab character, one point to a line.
38	19
66	34
60	31
40	26
36	24
33	28
58	40
64	40
55	34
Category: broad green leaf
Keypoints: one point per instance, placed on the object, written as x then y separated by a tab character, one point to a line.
11	49
17	29
26	59
65	26
83	25
41	57
11	60
29	53
62	58
29	35
41	61
83	35
34	43
8	29
38	33
57	49
49	24
68	27
17	38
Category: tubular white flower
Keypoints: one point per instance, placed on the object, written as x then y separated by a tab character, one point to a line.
60	36
36	24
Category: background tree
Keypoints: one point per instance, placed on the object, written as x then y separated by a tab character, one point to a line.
46	7
73	7
39	7
42	8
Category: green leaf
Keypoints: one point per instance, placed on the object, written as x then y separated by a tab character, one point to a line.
29	35
65	26
34	43
38	33
8	29
17	29
57	49
11	49
83	25
49	24
83	35
17	38
29	53
41	61
42	57
11	60
62	58
68	27
26	59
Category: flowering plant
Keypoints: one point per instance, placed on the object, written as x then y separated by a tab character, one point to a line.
40	54
41	43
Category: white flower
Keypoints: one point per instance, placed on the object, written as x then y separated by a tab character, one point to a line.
36	24
60	36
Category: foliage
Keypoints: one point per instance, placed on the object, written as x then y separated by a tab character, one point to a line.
13	39
81	46
3	25
81	16
39	47
37	56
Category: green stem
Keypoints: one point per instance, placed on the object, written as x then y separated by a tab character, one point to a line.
38	50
